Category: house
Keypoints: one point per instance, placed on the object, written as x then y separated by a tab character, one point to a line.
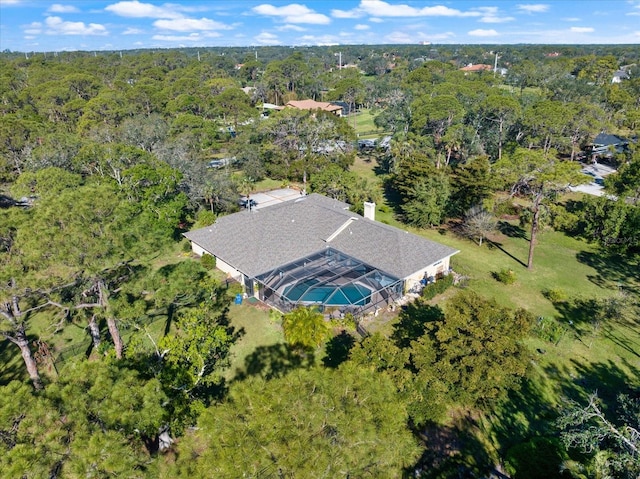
480	67
315	105
605	145
313	251
620	75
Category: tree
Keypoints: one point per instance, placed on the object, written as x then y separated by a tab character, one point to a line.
610	441
234	105
471	183
345	422
435	115
626	181
189	362
532	173
95	421
305	328
501	111
476	350
478	222
13	325
545	124
427	201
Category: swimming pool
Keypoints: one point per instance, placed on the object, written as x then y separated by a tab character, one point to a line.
330	295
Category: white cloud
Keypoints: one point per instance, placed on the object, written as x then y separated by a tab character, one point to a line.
360	26
194	37
636	9
482	33
571	19
355	13
379	8
136	9
57	26
441	36
57	8
189	24
133	31
322	40
492	15
400	37
582	29
10	2
34	28
288	28
376	20
266	38
533	8
293	13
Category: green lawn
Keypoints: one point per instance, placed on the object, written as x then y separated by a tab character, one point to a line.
257	332
589	356
363	124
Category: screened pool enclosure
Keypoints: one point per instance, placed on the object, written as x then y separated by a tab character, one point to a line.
330	280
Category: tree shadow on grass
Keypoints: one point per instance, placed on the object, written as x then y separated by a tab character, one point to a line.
275	361
579	379
495	244
612	271
337	349
511	230
454	451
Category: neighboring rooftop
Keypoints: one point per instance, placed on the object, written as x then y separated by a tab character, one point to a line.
480	67
314	105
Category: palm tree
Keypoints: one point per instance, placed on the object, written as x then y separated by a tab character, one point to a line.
305	328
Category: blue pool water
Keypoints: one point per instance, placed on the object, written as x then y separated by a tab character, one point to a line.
348	294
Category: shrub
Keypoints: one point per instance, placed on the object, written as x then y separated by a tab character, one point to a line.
186	246
432	290
564	220
208	261
555	295
548	329
505	208
505	276
204	218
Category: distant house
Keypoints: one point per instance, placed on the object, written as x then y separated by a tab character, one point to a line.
605	145
346	107
620	75
313	105
477	68
312	250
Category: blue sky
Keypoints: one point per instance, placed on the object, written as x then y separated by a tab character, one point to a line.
37	25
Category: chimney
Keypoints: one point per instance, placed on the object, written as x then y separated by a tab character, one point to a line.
370	210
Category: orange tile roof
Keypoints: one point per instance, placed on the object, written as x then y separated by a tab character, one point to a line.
313	105
476	68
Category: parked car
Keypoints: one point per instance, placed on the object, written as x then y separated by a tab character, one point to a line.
220	163
246	203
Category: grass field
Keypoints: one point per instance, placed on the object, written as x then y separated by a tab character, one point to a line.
590	355
258	332
363	124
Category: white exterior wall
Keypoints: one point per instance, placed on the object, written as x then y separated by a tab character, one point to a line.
230	270
221	265
197	249
441	266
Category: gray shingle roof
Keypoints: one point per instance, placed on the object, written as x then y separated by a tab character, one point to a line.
258	241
